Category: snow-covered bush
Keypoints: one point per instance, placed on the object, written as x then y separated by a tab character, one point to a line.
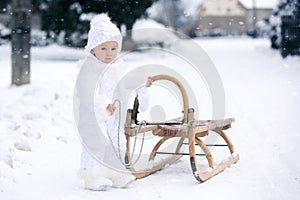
39	38
147	32
77	39
263	28
4	32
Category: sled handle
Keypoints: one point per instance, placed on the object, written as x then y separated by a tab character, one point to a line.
182	90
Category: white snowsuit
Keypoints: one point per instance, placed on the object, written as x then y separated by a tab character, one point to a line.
94	122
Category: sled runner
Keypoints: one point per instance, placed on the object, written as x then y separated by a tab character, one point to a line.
187	131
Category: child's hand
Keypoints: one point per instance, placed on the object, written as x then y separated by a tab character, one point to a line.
111	109
149	81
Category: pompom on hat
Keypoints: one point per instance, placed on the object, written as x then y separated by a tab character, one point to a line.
103	30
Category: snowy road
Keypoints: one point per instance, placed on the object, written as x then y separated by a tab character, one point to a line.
262	92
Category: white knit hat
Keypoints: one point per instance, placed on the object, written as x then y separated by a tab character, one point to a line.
103	30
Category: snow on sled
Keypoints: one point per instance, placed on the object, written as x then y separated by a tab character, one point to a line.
185	133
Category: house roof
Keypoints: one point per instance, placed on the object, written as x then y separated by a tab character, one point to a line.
247	3
221	8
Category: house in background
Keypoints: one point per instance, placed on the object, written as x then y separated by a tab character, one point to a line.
227	17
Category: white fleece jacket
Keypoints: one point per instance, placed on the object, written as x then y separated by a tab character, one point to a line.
92	104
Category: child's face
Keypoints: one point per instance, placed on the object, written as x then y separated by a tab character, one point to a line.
106	52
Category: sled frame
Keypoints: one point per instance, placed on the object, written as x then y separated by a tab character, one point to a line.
167	130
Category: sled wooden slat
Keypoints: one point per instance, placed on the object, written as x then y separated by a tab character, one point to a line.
132	131
219	168
161	165
177	131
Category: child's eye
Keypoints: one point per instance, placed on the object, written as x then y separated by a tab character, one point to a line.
103	48
113	49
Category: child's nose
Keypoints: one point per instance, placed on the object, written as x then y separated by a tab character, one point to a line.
109	52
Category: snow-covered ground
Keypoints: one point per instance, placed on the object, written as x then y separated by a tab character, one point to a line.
40	148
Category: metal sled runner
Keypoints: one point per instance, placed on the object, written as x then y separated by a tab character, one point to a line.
188	132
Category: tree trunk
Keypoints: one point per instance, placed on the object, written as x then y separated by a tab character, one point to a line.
20	41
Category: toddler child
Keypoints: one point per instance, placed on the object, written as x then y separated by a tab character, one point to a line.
104	43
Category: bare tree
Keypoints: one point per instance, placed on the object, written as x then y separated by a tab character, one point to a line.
20	41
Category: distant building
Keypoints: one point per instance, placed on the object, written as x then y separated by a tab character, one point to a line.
222	17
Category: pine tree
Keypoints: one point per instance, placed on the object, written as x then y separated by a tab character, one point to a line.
3	3
57	15
60	15
284	7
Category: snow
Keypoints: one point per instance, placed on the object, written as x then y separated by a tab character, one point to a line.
150	32
40	148
259	3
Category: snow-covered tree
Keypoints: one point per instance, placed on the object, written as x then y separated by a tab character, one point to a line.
172	10
65	17
284	7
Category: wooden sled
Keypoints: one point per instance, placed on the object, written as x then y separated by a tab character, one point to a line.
185	128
